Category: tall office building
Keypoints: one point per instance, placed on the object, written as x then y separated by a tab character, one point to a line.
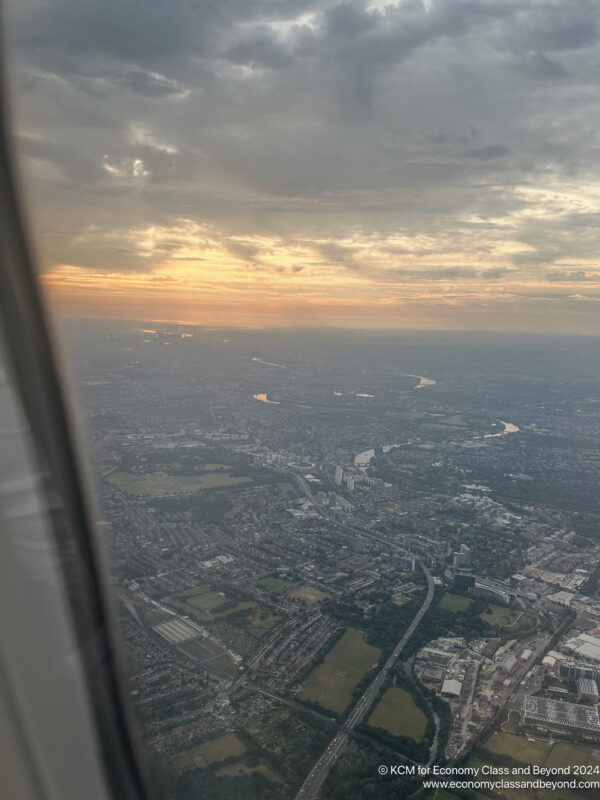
462	558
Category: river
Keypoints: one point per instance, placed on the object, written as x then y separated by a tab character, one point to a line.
508	428
267	363
423	382
364	458
264	398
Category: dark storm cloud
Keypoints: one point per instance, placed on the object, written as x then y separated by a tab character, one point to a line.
311	119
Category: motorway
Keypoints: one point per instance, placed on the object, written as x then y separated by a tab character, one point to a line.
311	786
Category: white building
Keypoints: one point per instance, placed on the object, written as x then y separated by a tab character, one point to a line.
451	688
584	647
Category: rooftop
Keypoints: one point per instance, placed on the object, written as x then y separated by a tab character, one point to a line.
452	687
584	646
555	712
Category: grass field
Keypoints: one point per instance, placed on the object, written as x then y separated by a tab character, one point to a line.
563	754
242	634
398	713
242	769
207	605
533	749
285	487
454	602
519	747
204	604
203	600
309	594
209	752
275	585
501	616
158	484
332	682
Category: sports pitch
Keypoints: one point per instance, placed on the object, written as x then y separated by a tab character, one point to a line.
159	484
501	616
207	605
454	602
275	585
398	713
331	683
209	752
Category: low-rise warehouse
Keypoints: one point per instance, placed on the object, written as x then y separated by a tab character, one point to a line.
451	688
554	714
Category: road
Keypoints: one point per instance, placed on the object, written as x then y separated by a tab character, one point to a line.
311	786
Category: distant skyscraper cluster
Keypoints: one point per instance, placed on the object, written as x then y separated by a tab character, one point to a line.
342	477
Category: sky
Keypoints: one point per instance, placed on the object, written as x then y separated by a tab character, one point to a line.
255	163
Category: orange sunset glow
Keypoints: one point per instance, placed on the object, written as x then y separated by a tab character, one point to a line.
192	277
320	168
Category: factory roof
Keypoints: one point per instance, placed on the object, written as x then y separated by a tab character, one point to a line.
452	687
562	597
566	715
584	646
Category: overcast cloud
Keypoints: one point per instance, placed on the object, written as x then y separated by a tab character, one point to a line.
400	152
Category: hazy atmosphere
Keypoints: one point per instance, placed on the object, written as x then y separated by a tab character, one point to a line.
326	281
425	164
